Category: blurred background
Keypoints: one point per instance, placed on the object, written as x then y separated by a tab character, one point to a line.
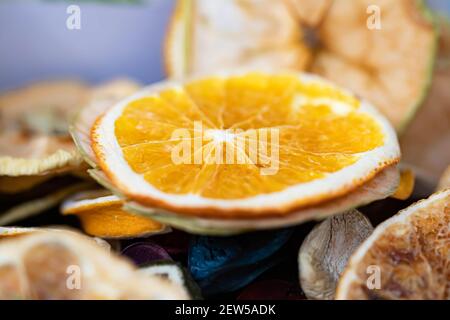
117	38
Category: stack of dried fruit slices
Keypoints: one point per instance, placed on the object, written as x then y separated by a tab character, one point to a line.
218	153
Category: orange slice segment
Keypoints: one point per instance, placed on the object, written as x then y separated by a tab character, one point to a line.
104	217
406	257
259	143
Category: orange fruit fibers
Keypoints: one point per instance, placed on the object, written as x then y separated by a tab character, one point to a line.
243	142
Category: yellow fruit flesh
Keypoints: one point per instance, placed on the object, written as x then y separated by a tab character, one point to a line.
110	220
314	139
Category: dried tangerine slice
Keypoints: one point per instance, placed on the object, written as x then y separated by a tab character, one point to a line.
406	257
277	142
47	264
102	216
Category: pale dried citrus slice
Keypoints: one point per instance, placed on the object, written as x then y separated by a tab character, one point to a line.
390	66
34	138
101	98
329	144
102	216
65	265
406	257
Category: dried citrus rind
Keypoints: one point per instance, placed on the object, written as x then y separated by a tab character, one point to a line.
380	187
102	216
389	64
406	257
131	144
101	98
75	263
34	135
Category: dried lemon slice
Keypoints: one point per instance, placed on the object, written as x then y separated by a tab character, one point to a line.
80	269
102	216
390	63
329	144
406	257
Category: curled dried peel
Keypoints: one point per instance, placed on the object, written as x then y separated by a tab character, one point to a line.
97	274
102	216
33	138
406	257
391	66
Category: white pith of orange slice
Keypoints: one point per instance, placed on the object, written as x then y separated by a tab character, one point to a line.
325	102
411	251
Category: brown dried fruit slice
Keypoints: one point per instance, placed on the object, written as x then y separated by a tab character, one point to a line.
406	257
391	67
79	269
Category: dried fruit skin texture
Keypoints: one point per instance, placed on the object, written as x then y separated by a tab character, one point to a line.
413	256
314	140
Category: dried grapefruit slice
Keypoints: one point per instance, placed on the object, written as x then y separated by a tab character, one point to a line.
102	216
390	67
80	269
329	144
411	251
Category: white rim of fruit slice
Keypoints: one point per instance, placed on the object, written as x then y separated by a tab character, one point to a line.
333	185
400	221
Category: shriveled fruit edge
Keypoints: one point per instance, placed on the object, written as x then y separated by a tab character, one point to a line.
69	204
59	161
79	127
428	15
235	208
35	207
7	232
349	274
380	187
178	23
93	258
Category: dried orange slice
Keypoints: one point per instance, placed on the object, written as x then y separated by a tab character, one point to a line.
46	264
323	142
406	257
385	49
102	216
